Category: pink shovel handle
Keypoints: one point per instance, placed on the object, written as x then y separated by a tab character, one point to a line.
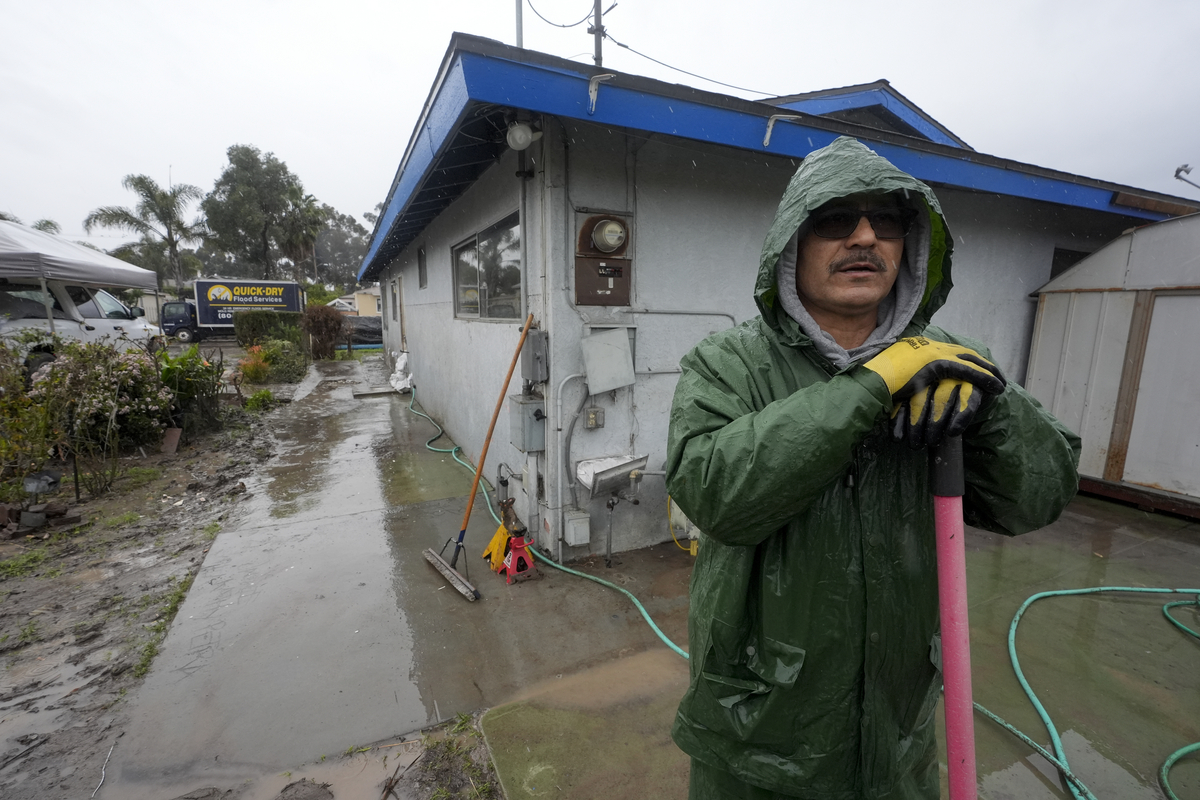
956	632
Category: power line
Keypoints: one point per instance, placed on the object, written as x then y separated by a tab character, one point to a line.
685	72
555	24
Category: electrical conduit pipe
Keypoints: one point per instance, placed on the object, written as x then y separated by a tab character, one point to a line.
558	491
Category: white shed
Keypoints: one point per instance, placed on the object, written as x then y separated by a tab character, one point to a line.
1115	357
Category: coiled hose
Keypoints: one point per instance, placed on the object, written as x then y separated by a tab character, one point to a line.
1058	758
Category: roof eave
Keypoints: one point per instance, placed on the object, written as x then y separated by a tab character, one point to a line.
477	71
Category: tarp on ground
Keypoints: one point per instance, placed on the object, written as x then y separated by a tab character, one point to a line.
29	253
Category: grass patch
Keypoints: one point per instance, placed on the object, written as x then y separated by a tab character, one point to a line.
23	564
456	765
353	355
158	631
149	651
260	401
136	477
29	633
128	518
211	530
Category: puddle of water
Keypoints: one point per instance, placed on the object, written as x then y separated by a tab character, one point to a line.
361	775
289	627
1121	681
417	478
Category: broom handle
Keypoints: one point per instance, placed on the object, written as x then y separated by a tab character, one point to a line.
495	416
948	487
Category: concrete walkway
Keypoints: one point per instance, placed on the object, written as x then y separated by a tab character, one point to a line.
315	627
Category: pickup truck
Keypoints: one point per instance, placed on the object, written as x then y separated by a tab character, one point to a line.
71	311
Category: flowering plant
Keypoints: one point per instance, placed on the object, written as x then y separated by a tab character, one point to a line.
109	396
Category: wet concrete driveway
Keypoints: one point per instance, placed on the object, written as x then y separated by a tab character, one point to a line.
315	625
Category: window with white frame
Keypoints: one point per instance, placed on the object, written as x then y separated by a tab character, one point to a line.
487	272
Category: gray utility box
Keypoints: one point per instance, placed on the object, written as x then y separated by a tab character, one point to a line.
577	529
527	422
535	357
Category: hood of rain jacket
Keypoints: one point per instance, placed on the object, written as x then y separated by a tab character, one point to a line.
845	168
813	618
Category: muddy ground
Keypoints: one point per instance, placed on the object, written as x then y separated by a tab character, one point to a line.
84	606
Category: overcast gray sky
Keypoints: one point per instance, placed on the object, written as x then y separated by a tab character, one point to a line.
93	90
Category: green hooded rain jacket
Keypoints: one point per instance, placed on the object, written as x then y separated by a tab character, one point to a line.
813	624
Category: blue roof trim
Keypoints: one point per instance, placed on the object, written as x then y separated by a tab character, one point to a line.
473	78
818	106
436	129
527	86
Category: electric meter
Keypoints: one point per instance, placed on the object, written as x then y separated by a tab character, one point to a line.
608	235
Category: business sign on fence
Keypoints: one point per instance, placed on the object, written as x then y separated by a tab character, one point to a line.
216	301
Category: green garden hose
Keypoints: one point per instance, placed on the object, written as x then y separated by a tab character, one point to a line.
1059	760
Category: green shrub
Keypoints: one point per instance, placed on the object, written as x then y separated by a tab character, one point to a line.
253	327
254	366
262	400
103	394
325	327
29	430
286	359
90	401
196	382
319	295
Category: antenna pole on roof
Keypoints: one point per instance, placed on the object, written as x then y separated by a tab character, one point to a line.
520	34
598	30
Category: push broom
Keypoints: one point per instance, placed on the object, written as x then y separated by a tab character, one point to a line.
448	569
948	484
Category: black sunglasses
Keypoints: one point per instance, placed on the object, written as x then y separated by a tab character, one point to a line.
888	223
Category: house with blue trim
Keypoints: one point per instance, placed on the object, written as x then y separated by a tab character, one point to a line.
627	215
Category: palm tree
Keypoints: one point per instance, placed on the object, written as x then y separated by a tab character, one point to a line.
158	214
47	226
302	223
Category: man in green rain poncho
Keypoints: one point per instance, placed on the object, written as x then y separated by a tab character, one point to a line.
799	444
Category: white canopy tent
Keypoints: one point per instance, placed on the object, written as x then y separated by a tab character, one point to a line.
29	253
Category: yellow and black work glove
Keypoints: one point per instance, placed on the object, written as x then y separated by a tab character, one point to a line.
935	412
937	387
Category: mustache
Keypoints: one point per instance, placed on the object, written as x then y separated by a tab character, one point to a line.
867	256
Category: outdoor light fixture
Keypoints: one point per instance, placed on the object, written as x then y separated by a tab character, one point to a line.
608	235
521	134
1185	170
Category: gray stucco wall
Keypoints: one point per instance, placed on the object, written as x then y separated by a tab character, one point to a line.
699	213
1003	251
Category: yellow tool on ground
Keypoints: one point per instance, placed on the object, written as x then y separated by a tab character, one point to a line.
497	549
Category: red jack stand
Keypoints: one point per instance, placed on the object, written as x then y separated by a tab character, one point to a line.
518	564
